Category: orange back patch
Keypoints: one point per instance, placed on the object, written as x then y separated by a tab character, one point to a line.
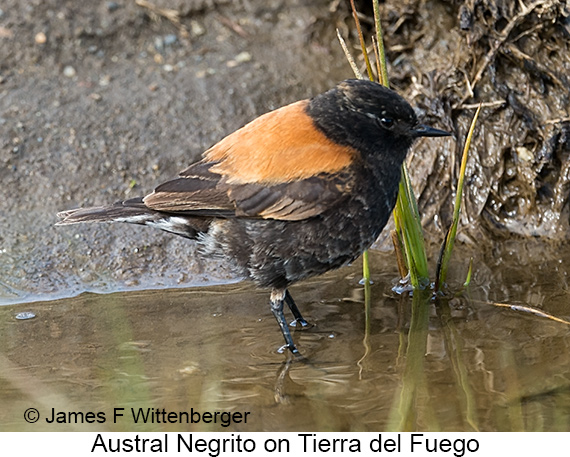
280	146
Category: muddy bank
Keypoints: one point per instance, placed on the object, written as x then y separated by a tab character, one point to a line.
448	57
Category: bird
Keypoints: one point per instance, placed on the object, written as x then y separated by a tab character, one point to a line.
298	191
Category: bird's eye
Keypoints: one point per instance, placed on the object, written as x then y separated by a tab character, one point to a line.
386	122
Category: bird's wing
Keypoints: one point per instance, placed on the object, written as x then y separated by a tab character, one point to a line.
279	166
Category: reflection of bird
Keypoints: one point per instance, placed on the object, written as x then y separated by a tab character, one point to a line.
297	192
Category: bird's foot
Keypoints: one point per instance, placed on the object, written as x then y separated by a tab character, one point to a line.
301	321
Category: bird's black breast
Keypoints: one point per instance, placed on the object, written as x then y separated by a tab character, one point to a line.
277	253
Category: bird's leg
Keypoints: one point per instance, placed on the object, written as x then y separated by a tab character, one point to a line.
296	313
278	296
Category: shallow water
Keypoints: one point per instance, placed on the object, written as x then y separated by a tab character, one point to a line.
403	364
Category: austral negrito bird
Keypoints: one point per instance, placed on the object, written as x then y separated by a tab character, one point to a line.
295	193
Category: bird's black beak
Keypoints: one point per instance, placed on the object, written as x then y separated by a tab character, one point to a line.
424	130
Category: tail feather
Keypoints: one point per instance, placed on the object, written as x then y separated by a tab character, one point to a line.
134	211
126	211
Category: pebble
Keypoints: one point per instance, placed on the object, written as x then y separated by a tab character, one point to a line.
169	40
105	80
204	73
196	28
112	6
40	38
240	58
69	71
6	33
243	57
168	68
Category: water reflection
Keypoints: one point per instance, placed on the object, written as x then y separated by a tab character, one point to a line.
399	364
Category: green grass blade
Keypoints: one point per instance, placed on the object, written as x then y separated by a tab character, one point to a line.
469	273
365	267
406	212
447	247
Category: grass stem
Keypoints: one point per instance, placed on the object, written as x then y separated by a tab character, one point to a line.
447	247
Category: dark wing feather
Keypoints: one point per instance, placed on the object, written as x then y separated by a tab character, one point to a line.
196	192
291	201
214	196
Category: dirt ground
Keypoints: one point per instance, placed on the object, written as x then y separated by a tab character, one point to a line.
100	101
